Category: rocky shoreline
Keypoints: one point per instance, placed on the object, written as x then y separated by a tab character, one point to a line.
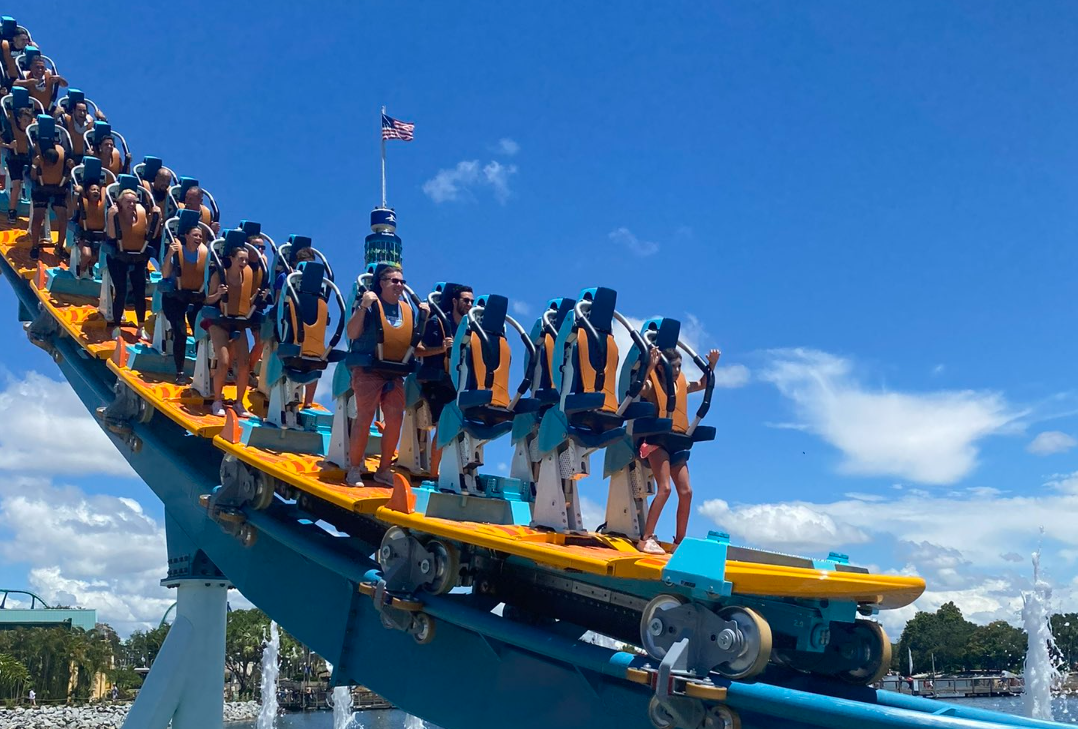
100	716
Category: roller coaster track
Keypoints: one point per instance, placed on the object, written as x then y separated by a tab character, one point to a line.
476	667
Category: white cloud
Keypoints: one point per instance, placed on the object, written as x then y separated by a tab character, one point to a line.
920	523
924	437
90	550
787	526
1051	441
39	415
732	376
643	248
507	146
592	513
863	497
458	183
521	308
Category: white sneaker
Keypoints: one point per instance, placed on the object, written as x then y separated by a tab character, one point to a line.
650	546
218	408
241	411
383	477
354	477
142	335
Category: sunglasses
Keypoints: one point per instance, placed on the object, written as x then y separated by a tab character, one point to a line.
467	302
397	281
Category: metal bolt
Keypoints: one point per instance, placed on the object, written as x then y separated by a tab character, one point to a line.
424	566
727	639
386	552
655	627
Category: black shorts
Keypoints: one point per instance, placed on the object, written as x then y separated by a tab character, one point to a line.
91	238
16	165
46	195
438	395
677	446
234	325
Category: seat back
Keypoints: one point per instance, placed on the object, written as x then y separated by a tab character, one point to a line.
91	171
284	256
19	98
147	169
544	335
487	350
128	182
593	351
177	192
27	57
305	310
45	131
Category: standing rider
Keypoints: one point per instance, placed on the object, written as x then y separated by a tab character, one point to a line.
384	304
51	175
666	460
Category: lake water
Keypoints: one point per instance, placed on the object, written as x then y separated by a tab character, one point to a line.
1065	709
374	719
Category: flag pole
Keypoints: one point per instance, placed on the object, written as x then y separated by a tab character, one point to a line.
383	158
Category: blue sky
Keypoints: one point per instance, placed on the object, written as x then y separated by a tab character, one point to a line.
869	208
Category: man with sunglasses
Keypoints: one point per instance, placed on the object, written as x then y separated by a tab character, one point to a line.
434	381
386	308
438	391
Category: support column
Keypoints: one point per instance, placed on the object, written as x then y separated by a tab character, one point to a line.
205	606
186	684
187	681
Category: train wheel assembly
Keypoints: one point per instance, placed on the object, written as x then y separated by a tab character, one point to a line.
754	637
652	626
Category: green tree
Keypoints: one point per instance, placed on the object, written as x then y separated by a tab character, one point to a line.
943	634
142	647
997	646
245	634
1065	630
13	676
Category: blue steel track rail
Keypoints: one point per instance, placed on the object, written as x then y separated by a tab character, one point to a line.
481	669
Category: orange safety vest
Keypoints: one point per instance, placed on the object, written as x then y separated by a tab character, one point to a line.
78	142
314	334
240	306
396	340
53	174
610	371
133	239
546	341
192	276
93	214
115	164
205	215
658	397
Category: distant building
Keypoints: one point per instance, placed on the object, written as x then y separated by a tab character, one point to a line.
40	615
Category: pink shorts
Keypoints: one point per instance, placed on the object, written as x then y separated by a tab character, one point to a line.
373	390
646	449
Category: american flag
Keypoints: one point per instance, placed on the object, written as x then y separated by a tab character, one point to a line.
397	129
